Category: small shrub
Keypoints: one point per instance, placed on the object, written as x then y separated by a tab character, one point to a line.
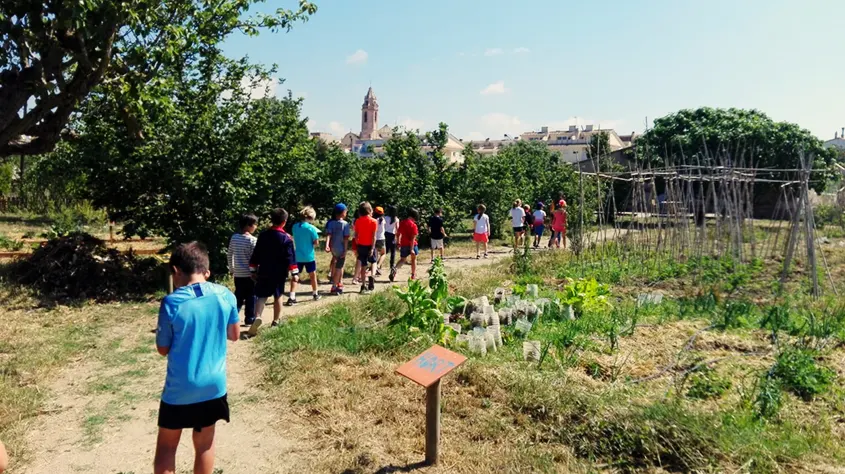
706	383
10	244
798	372
74	219
769	397
735	314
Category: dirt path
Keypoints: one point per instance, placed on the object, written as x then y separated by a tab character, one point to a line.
102	416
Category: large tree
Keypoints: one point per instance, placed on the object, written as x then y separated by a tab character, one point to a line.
54	53
712	136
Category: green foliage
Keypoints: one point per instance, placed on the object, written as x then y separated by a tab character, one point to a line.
437	281
7	175
524	170
706	383
586	296
10	244
799	373
340	329
422	313
735	314
78	217
56	53
769	397
706	132
825	214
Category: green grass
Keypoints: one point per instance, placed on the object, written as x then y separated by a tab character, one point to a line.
698	420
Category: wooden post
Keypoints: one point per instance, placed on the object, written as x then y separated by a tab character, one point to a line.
432	423
427	369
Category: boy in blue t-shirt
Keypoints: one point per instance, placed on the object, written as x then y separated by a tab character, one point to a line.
338	231
305	238
194	323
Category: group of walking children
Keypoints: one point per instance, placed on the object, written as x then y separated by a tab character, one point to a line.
261	265
525	221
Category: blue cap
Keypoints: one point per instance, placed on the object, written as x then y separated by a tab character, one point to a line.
540	205
339	207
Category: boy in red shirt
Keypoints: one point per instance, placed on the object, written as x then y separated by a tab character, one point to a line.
365	236
408	232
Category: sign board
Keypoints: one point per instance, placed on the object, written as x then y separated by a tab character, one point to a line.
428	367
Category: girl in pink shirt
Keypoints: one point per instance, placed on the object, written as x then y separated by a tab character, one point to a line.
559	224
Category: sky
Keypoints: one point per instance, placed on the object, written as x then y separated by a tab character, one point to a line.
494	67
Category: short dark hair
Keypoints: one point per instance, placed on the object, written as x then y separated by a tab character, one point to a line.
482	208
391	211
365	209
414	214
278	216
437	210
247	220
190	258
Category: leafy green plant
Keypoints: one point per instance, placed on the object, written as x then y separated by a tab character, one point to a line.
769	396
705	383
800	374
586	295
735	314
422	313
10	244
776	320
437	281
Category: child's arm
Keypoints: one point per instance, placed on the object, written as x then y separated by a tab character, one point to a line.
255	258
233	329
164	330
230	256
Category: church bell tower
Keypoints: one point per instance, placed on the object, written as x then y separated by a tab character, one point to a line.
369	116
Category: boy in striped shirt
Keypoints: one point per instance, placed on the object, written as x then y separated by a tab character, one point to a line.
241	246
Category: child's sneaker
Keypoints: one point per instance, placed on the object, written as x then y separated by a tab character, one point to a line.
392	274
364	290
276	323
478	255
317	296
290	302
371	283
253	328
333	291
485	254
413	277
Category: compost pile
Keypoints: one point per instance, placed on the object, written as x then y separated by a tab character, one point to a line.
79	266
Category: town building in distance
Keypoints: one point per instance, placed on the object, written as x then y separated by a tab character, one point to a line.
572	144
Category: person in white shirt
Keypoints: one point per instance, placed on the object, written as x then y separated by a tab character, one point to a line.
539	224
518	222
391	226
381	237
481	233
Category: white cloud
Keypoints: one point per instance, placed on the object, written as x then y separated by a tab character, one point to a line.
358	57
312	125
495	88
411	124
522	50
461	54
337	129
495	125
493	51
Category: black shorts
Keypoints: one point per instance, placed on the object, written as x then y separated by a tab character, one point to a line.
196	415
517	230
365	254
267	287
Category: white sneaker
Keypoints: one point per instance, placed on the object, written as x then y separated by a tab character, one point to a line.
253	329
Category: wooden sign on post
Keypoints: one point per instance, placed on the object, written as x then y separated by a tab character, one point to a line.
427	369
